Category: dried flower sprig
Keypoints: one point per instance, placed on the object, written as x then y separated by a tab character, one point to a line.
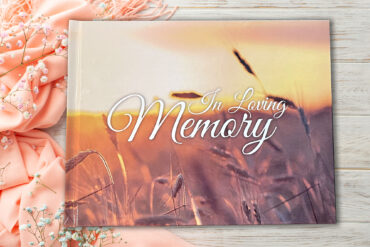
2	170
38	180
16	34
23	31
40	226
5	140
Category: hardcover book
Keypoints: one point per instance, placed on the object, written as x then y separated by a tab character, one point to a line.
199	123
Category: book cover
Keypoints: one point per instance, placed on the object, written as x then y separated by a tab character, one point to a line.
199	123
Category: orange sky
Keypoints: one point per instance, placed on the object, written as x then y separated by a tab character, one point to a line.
292	59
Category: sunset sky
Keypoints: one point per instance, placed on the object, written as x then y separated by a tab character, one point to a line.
291	58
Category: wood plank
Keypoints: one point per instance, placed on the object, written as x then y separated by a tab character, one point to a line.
351	88
351	141
342	234
353	195
270	4
350	28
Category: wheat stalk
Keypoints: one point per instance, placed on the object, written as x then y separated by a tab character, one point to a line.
113	138
159	180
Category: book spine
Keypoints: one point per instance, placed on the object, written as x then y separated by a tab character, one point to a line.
73	104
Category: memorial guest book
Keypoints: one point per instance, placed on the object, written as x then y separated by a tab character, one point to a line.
199	123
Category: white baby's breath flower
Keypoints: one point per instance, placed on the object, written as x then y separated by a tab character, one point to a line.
43	207
42	243
65	42
44	79
102	236
19	43
22	14
4	139
75	236
2	60
30	69
46	28
58	50
46	221
26	58
26	115
34	106
23	227
45	71
35	90
57	216
62	239
8	45
40	64
40	224
116	234
28	209
68	235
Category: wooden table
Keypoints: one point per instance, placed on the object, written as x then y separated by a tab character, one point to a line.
350	40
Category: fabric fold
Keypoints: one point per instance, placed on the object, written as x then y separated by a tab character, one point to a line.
33	89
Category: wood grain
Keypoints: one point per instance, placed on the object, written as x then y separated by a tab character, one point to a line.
342	234
288	4
351	141
351	88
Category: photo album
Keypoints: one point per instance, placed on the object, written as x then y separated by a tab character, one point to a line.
199	123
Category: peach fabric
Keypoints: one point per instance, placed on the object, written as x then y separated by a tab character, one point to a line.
32	152
50	100
31	163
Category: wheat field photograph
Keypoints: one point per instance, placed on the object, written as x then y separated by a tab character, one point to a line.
201	123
